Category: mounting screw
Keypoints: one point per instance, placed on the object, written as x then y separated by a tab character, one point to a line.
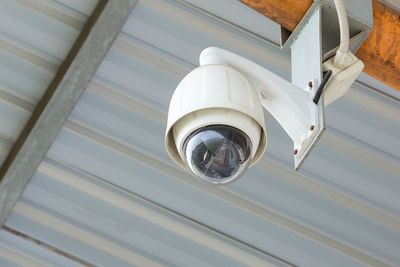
312	128
310	84
263	94
295	151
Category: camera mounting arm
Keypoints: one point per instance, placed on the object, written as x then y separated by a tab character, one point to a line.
290	105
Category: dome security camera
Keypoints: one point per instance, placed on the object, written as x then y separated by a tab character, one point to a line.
215	122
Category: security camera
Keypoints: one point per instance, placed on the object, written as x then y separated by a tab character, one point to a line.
216	122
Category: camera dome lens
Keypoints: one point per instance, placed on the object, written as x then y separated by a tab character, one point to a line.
217	154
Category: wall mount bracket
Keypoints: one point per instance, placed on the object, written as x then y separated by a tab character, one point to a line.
360	18
315	40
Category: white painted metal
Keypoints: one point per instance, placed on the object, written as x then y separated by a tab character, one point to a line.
342	209
306	59
306	52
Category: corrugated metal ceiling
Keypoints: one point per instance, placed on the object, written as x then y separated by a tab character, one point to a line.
107	194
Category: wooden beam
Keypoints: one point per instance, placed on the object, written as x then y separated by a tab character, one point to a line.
381	50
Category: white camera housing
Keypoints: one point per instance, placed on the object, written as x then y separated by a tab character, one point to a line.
230	90
215	120
214	94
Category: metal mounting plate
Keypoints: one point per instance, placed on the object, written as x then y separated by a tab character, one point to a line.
319	129
306	60
315	39
360	17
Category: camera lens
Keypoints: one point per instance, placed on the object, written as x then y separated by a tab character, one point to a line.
217	154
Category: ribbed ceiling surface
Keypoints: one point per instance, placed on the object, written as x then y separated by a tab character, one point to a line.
35	37
107	193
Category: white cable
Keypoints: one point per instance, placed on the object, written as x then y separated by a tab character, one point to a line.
344	34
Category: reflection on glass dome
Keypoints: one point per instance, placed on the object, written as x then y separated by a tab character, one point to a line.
218	154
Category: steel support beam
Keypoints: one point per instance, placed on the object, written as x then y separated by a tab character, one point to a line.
59	99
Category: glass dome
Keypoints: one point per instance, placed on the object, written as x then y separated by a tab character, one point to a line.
217	154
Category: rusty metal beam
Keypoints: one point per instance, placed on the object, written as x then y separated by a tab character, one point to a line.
381	50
